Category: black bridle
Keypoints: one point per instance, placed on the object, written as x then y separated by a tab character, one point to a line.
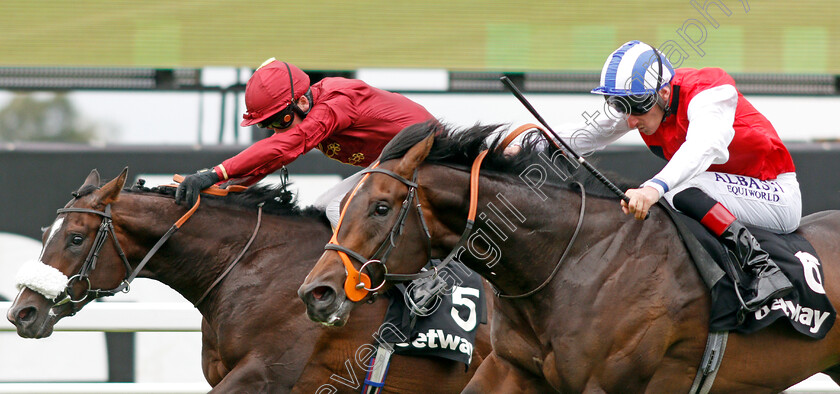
380	256
354	286
106	228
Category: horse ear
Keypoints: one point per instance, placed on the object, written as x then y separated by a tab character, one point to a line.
415	156
111	190
91	180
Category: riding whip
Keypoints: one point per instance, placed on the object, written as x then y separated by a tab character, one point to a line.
513	89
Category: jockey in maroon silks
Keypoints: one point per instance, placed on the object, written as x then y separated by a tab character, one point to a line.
347	119
726	163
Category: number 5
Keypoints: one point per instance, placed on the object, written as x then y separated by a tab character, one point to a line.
459	299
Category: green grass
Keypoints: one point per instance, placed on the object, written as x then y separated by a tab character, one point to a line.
497	35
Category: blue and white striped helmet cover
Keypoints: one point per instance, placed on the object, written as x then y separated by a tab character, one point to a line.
633	69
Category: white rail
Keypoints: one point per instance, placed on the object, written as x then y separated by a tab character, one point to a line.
181	317
125	317
117	317
104	388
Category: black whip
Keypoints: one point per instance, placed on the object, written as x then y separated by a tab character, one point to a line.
597	174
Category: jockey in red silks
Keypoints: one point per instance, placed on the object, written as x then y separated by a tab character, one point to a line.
347	119
726	164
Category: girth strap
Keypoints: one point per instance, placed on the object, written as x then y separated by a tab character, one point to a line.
705	378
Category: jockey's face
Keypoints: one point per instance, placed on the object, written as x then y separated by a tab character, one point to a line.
302	103
649	122
295	122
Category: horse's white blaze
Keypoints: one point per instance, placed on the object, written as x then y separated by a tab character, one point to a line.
53	229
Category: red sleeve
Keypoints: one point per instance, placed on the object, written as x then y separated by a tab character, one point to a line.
334	114
264	156
268	155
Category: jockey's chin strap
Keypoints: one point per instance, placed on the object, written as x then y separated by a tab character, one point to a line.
357	285
106	228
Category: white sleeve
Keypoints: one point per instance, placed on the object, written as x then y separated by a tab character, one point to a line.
584	139
711	115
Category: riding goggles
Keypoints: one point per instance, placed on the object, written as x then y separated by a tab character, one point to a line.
633	104
280	120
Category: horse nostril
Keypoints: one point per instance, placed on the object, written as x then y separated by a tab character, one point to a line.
26	314
322	293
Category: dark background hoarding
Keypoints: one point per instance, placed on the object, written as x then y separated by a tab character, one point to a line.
37	180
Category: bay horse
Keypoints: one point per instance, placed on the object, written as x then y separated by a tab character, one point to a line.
608	303
256	338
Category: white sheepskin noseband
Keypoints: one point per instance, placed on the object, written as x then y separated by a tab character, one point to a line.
41	278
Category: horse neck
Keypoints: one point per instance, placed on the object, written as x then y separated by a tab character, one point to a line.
208	242
611	250
518	237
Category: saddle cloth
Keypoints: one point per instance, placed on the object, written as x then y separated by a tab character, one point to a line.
807	308
447	326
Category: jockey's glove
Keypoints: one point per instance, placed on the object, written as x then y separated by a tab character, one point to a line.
192	185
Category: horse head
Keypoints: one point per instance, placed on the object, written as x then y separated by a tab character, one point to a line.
376	215
66	277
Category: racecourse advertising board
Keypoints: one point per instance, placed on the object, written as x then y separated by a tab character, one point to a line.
738	35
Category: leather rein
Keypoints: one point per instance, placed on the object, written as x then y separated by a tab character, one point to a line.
106	229
357	284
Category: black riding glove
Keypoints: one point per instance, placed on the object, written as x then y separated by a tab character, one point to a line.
192	185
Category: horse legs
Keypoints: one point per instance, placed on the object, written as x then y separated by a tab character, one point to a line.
211	361
249	376
496	375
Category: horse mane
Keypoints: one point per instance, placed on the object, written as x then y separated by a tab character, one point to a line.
84	190
460	146
276	199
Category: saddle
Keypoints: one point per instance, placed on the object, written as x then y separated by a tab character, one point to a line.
807	308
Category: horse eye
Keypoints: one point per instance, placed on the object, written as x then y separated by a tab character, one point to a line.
381	209
76	239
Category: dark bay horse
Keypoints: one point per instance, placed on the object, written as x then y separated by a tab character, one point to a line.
623	310
256	336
